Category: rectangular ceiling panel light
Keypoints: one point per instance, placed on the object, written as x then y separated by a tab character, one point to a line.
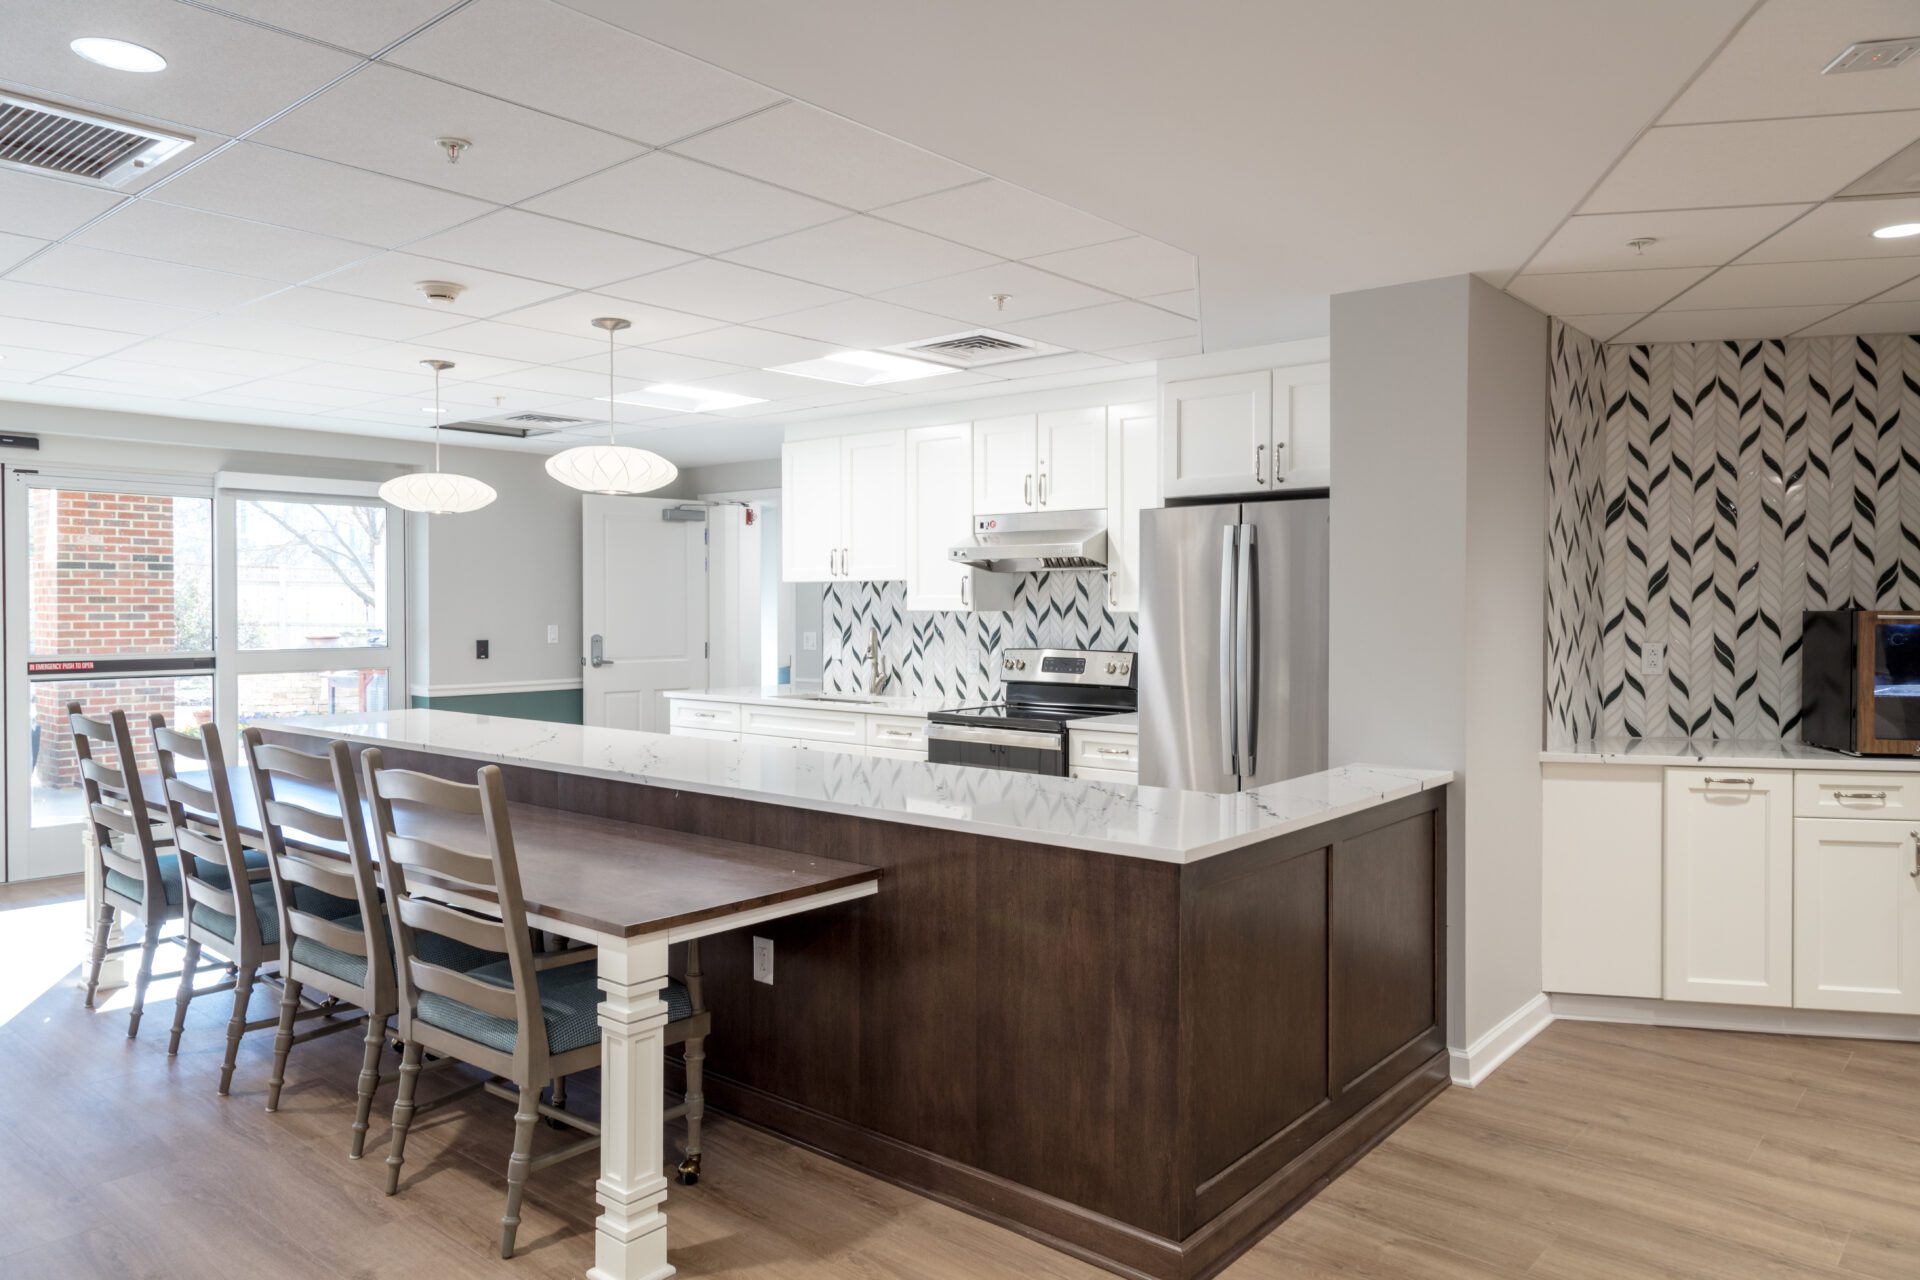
863	368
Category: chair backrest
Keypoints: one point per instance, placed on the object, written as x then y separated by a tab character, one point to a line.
205	833
315	837
427	878
110	783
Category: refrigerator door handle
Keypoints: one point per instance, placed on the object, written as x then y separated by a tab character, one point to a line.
1229	666
1247	673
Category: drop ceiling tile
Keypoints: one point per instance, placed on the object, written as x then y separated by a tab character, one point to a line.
121	275
254	333
240	397
1843	229
764	383
364	26
345	313
1908	290
1184	302
211	359
580	68
459	402
353	377
1601	328
1681	238
288	190
517	343
48	207
1047	366
1793	284
1134	268
516	152
24	364
1116	324
313	397
1003	219
65	339
969	295
813	151
726	290
221	74
405	357
102	393
1869	317
157	379
574	384
862	255
538	248
1772	65
831	395
1171	349
865	322
149	229
755	348
675	201
89	310
1750	162
940	382
1716	326
576	312
15	249
1593	292
395	277
645	365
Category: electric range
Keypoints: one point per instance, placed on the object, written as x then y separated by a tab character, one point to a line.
1046	691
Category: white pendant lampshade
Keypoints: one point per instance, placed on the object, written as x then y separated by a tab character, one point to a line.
611	468
437	492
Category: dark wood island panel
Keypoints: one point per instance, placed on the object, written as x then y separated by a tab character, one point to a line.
1144	1064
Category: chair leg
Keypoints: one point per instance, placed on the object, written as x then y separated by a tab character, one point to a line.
402	1113
369	1083
237	1025
102	926
518	1165
283	1041
149	943
183	996
696	1061
560	1093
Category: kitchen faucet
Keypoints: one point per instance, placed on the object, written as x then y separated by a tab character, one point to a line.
879	675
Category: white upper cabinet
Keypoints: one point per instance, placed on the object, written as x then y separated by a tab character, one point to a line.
810	516
1005	451
1133	485
1729	886
845	508
1302	417
939	464
1070	465
1252	432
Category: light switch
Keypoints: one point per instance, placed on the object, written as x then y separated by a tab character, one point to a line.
553	633
1653	658
809	640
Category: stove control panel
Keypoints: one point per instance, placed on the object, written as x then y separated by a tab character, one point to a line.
1111	667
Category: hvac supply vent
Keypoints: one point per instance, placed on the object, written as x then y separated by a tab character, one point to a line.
77	144
1873	55
517	426
975	348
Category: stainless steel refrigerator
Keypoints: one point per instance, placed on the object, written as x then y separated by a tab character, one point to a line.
1233	643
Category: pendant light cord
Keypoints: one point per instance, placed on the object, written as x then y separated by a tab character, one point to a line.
610	400
436	420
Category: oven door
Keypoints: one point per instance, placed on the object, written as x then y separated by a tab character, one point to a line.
1889	675
993	747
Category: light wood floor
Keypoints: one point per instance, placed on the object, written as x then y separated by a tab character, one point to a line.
1596	1153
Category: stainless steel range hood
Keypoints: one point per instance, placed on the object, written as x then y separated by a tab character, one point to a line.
1033	541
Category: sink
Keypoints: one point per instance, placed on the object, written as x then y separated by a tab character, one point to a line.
843	698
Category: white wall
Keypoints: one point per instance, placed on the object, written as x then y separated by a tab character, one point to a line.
1437	610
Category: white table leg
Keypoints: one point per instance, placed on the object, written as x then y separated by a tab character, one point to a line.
630	1237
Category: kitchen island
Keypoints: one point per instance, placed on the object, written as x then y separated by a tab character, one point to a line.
1140	1025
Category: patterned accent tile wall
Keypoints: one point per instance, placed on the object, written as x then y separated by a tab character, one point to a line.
1702	495
957	655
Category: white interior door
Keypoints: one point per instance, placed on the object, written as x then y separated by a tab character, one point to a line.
644	606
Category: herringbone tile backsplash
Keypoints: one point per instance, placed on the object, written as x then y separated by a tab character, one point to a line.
957	655
1702	495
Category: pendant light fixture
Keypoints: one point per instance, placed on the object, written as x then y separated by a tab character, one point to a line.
437	492
611	468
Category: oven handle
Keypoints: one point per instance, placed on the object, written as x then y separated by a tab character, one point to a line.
995	737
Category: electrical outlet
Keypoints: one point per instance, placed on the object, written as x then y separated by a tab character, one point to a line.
763	960
553	633
809	640
1653	658
480	648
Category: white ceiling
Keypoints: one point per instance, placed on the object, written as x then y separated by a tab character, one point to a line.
269	274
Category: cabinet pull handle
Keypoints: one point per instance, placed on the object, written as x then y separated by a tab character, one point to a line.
1859	795
964	583
1732	782
1114	751
1026	490
1043	486
1915	873
1259	455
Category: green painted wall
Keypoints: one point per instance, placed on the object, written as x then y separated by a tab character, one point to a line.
560	705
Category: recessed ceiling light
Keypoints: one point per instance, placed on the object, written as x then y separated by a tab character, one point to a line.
863	368
118	54
684	399
1898	231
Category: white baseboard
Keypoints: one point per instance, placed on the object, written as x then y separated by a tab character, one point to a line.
1479	1060
1737	1017
501	686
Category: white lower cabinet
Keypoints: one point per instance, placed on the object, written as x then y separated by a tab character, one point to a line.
713	735
1729	886
1856	915
895	753
1600	888
1088	774
803	744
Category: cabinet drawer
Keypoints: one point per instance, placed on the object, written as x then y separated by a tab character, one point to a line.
705	715
1857	795
905	733
819	726
716	735
1087	773
897	753
1093	749
802	744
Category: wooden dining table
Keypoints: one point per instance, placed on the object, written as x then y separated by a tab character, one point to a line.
631	891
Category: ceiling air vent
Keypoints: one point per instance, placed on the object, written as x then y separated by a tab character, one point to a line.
1873	55
518	426
975	349
77	144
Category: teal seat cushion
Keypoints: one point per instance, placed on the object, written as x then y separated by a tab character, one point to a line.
267	910
349	968
569	1002
212	872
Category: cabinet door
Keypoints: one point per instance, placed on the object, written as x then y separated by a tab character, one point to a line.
1133	485
1729	879
1216	435
1004	452
1600	890
803	744
873	497
1302	440
1071	470
939	515
1856	915
810	515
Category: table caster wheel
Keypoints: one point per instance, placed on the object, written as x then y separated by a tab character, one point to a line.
690	1171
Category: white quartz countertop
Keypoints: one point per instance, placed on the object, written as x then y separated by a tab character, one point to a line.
813	697
1732	753
1141	822
1127	722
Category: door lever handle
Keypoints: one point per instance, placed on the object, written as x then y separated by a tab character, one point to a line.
597	654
